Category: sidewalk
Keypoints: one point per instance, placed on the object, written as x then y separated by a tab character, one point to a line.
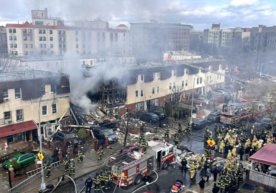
89	164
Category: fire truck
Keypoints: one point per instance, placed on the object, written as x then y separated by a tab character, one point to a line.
131	166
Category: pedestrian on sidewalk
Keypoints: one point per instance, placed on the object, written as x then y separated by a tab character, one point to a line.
48	170
215	188
184	164
88	184
215	173
201	185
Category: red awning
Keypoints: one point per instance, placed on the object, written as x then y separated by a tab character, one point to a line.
266	155
17	128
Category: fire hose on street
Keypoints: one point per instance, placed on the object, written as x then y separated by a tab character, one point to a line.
147	184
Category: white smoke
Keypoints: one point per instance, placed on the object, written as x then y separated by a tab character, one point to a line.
81	85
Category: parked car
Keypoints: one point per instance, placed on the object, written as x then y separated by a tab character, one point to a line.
272	170
200	124
102	133
148	117
214	117
21	159
66	136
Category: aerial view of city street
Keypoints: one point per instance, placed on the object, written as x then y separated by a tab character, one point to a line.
138	96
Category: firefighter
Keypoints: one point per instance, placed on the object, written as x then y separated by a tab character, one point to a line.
234	151
48	170
88	184
180	131
109	180
97	185
72	167
229	155
176	139
221	146
167	134
80	154
100	154
66	163
101	178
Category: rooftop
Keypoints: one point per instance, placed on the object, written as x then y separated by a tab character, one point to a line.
26	75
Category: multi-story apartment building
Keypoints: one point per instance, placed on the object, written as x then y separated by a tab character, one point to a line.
153	86
3	41
212	36
24	104
150	40
50	36
223	38
263	38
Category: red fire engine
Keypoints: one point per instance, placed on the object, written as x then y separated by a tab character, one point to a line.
130	167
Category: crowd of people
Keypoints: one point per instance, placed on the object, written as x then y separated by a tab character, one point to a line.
233	147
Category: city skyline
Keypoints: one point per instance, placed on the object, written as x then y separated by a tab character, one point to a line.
201	13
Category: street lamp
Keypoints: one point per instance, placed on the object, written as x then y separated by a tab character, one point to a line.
42	185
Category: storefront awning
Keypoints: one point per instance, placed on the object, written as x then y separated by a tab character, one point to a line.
266	155
17	128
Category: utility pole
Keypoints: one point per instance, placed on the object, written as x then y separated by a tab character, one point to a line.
42	185
191	118
126	132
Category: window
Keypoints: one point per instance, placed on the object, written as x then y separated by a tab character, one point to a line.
170	86
10	37
15	45
200	80
153	90
7	117
186	84
19	115
51	38
14	30
17	93
142	93
136	93
54	108
142	77
51	46
174	85
158	89
14	37
26	45
10	30
182	83
44	110
51	31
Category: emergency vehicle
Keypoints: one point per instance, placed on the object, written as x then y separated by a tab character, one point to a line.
131	166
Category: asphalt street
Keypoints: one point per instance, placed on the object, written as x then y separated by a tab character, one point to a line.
165	177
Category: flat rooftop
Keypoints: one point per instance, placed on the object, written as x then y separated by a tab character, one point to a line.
26	75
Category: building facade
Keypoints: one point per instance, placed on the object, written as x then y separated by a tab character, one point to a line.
46	36
152	87
150	40
3	41
22	101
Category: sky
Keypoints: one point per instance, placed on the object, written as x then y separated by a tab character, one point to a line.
199	13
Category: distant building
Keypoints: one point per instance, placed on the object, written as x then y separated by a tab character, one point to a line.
212	36
24	104
47	36
150	40
3	41
263	38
